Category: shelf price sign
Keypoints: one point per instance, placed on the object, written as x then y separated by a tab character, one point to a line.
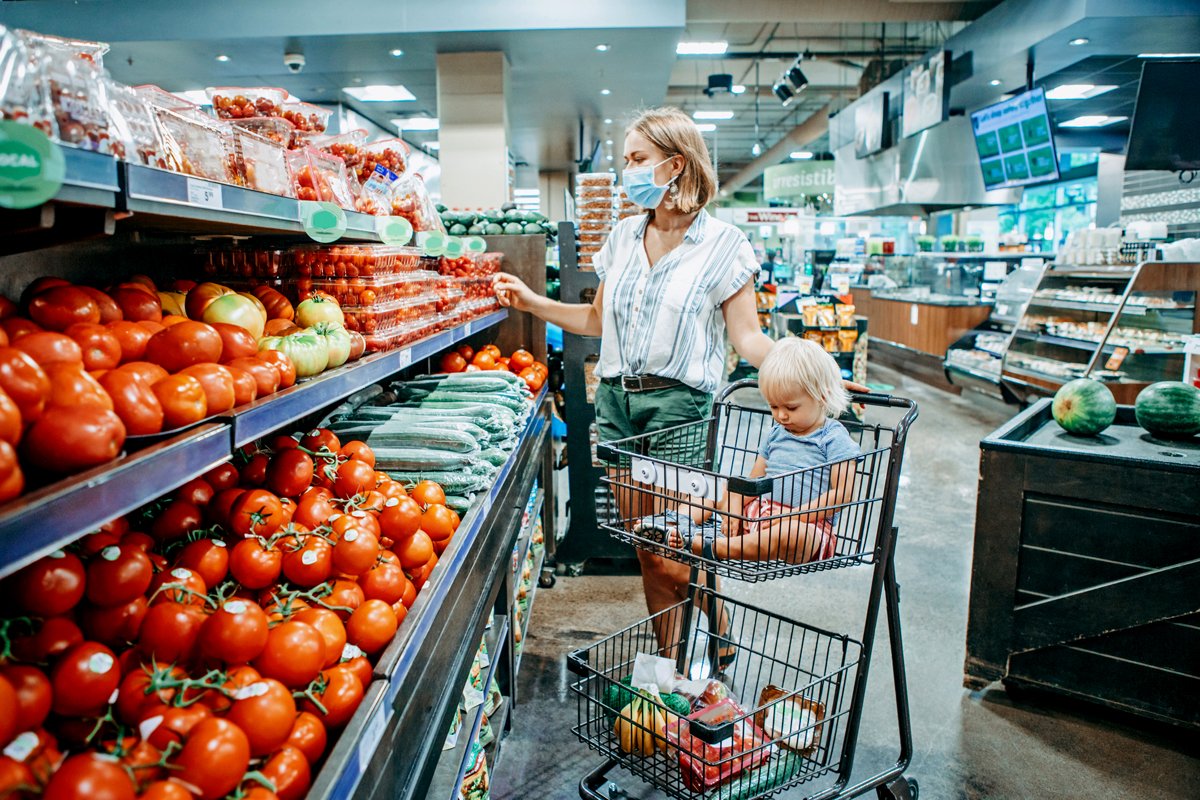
393	230
323	221
32	167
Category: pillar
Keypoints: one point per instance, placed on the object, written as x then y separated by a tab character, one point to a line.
552	188
473	129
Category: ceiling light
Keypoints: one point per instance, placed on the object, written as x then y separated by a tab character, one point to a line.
608	120
1079	41
706	127
379	93
784	93
756	150
801	155
606	92
994	82
796	77
197	97
1091	121
712	115
222	58
395	52
416	123
608	141
610	158
1076	91
1168	55
738	89
603	48
701	48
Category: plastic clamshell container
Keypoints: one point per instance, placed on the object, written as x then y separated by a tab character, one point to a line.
265	164
476	287
368	293
320	176
450	294
134	119
277	129
232	262
391	153
306	117
346	146
350	260
157	97
233	102
197	147
596	179
379	317
69	48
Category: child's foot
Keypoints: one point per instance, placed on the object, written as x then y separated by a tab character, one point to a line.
657	527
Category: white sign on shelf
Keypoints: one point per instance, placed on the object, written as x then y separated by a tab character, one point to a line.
405	357
371	737
913	313
204	193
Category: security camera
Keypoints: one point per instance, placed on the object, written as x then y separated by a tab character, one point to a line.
293	61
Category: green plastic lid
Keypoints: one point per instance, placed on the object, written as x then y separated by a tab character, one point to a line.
475	244
432	243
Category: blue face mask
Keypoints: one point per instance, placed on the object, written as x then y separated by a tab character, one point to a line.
641	188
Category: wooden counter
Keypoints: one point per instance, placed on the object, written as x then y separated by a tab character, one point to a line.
926	327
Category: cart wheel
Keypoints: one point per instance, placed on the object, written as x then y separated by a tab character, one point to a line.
547	579
899	789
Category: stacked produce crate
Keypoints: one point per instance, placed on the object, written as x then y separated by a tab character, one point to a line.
595	208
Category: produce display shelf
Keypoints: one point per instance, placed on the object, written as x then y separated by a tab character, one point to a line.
46	519
525	537
91	179
266	415
351	756
170	200
499	721
1099	308
978	374
452	766
533	589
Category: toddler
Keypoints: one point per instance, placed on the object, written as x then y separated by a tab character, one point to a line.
803	386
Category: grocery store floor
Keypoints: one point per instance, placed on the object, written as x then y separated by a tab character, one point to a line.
968	744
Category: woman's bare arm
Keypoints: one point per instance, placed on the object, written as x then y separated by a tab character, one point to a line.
583	319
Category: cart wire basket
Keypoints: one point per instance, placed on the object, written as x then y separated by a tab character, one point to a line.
789	729
684	493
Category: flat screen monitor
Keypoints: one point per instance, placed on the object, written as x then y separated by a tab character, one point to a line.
926	94
1015	144
1165	121
870	118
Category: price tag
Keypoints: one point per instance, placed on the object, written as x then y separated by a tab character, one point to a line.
372	735
405	357
203	193
1117	358
467	329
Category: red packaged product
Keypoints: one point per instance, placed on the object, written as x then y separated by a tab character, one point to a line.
277	129
350	261
232	102
391	154
368	293
320	176
306	117
199	145
411	200
705	765
412	310
265	164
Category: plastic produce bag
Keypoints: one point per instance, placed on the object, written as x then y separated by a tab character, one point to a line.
410	199
23	93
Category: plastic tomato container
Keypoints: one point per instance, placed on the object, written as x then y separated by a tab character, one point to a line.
233	262
350	260
450	295
475	288
232	102
346	146
198	146
265	164
133	117
382	316
277	129
158	97
73	80
392	154
320	176
306	117
374	292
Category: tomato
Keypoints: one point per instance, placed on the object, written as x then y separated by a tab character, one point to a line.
183	400
257	512
521	359
308	736
101	349
83	679
91	776
290	473
255	564
466	351
492	349
214	758
51	638
137	304
483	360
245	387
183	345
50	586
533	379
283	363
19	327
384	582
12	478
439	522
118	574
313	510
344	598
401	518
178	585
354	478
148	373
170	320
276	304
131	338
427	492
308	352
419	576
134	402
208	558
341	696
266	376
290	773
318	309
15	779
153	327
115	625
24	380
453	362
294	654
47	348
308	562
201	296
359	451
358	345
135	694
355	552
236	341
235	633
70	386
222	476
330	627
320	437
265	711
254	471
217	383
165	790
280	327
58	308
8	711
371	626
169	631
31	698
179	518
415	551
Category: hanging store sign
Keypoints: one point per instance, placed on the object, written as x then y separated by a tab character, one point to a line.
803	179
31	166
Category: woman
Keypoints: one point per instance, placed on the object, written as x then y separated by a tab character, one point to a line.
672	282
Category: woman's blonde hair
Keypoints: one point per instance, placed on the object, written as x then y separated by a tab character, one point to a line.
674	133
795	363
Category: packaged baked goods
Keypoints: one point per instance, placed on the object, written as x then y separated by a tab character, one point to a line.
815	336
826	317
829	340
809	312
847	338
789	719
596	179
845	314
232	102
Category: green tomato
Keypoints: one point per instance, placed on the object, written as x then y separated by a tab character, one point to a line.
337	342
235	310
307	350
317	309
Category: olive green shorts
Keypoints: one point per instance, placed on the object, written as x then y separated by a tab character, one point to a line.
621	414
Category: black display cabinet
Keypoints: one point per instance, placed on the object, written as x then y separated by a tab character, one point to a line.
1087	559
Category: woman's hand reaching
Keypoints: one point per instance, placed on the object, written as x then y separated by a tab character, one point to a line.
512	292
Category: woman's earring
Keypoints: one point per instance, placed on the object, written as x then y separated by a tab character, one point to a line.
674	190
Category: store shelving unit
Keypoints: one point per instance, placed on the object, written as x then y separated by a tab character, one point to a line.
1121	325
84	207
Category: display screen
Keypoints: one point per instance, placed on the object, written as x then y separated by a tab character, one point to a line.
1016	147
870	116
926	94
1165	122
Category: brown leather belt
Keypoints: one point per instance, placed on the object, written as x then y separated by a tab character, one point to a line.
642	383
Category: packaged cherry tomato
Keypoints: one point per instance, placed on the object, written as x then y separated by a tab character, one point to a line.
418	310
231	102
411	200
306	117
229	261
375	292
346	146
24	93
200	146
71	72
277	129
391	154
320	176
350	260
135	121
265	164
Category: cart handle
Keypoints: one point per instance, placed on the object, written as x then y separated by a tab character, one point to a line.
866	398
577	662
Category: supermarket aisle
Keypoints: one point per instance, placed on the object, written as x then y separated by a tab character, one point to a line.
968	745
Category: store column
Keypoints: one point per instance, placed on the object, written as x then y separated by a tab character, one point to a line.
552	189
473	135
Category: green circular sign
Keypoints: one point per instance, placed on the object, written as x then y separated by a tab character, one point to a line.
475	244
32	167
454	246
393	230
323	221
432	243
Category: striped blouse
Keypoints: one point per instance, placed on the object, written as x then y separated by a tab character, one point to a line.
667	320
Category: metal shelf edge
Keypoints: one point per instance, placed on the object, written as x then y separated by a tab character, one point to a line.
533	590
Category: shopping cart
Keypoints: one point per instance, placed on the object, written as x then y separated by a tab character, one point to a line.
682	494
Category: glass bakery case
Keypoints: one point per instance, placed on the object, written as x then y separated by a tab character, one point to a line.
1126	327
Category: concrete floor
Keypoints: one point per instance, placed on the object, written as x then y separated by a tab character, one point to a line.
968	745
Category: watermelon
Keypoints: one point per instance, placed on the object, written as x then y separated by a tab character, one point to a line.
1169	410
493	229
514	228
457	229
1084	407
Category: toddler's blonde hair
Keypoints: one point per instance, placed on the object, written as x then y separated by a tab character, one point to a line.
794	363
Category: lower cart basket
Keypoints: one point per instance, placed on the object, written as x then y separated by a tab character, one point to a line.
788	728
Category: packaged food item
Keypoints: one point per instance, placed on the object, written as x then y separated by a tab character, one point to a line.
228	261
826	317
135	124
372	292
350	260
306	117
845	314
24	93
276	129
596	179
595	219
705	766
455	728
809	313
346	146
157	97
197	146
847	338
265	164
410	199
449	295
474	287
790	720
592	237
231	102
830	341
475	785
71	75
391	154
815	336
319	176
380	317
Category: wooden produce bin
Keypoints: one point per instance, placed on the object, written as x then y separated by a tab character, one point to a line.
525	257
1086	566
